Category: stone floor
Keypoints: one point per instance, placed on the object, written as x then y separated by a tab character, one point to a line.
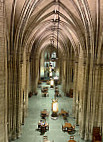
55	133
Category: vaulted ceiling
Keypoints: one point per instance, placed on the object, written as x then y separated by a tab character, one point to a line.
31	22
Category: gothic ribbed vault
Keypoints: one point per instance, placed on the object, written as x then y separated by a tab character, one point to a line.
28	29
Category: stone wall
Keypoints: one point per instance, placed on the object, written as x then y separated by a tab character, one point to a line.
88	108
3	75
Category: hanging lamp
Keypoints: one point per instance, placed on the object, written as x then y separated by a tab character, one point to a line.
58	22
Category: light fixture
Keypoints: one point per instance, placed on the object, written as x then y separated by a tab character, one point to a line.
58	20
51	83
50	77
56	77
54	109
50	68
55	106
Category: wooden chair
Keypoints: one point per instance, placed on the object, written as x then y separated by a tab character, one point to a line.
96	135
30	94
45	138
39	82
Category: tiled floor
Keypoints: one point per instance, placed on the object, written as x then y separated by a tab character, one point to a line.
55	133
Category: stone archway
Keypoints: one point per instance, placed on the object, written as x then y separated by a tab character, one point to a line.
25	31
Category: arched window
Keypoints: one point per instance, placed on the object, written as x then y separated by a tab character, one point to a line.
47	55
53	56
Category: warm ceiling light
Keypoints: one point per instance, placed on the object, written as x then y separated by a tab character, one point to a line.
58	31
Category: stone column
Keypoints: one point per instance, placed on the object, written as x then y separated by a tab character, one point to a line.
70	73
60	70
31	74
62	66
100	105
22	86
75	88
88	133
26	87
67	76
36	73
18	98
8	100
13	99
81	101
84	127
11	94
95	84
97	98
64	76
3	76
84	102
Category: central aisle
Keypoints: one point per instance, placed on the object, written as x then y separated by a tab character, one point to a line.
36	105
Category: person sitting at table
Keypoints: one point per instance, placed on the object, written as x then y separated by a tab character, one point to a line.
63	113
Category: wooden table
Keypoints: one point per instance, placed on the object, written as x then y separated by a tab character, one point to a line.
63	112
45	139
71	141
44	112
45	94
68	127
39	82
44	89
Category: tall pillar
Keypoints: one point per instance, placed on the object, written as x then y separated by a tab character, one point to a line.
26	87
64	75
67	76
14	105
36	73
9	98
3	75
96	119
60	73
84	102
88	132
18	98
100	105
75	88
